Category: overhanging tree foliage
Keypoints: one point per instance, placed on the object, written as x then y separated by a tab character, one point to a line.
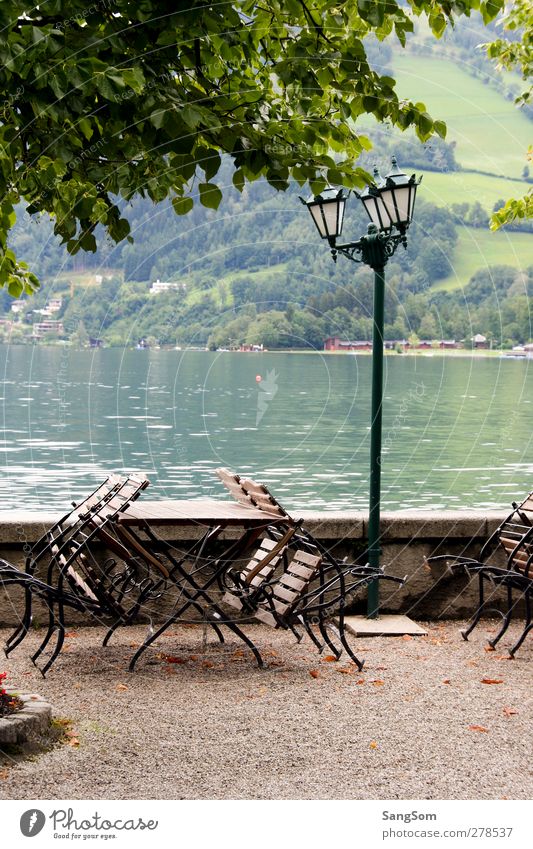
107	101
516	54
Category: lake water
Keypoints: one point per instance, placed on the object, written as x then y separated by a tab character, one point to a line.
457	431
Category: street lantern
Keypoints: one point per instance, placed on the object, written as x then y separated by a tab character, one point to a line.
389	203
327	211
373	203
398	196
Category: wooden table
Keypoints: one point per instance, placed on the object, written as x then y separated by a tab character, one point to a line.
214	516
208	512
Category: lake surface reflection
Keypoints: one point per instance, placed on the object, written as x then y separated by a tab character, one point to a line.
457	431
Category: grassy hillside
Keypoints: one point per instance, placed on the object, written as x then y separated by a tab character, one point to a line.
491	134
480	249
466	187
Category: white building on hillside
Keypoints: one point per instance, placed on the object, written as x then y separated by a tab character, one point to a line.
164	286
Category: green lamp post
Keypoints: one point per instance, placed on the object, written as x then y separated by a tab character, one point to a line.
389	204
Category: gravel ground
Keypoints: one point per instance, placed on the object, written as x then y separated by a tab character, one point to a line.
418	723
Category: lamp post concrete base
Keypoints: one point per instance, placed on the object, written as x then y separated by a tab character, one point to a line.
391	625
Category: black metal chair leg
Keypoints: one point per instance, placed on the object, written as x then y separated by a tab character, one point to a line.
151	638
295	631
523	635
114	627
527	627
59	645
341	632
22	629
311	634
236	630
327	641
465	633
507	616
49	633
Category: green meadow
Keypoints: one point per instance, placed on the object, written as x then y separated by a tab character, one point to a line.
444	189
478	248
490	132
491	135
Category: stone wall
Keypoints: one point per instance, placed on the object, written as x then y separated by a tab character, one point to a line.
407	538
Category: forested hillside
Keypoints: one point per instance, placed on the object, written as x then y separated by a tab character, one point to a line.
255	270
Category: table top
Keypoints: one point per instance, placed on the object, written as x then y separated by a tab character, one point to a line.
206	511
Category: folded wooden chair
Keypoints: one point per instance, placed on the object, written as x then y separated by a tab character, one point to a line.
358	573
515	538
74	578
309	591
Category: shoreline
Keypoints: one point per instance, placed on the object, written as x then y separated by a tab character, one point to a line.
497	353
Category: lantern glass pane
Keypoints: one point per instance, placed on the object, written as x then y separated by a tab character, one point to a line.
376	211
396	201
342	207
412	197
316	213
330	211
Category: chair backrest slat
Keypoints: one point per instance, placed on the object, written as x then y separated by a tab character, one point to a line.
248	491
284	593
515	535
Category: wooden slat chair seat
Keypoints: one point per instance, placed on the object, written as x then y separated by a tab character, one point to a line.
515	538
284	594
259	569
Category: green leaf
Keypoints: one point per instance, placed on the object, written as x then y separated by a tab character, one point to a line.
210	195
157	118
85	126
209	161
440	128
425	123
182	205
238	179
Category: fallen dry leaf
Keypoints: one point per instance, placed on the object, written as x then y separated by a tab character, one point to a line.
489	648
507	711
360	681
329	658
446	681
314	673
491	681
478	728
122	687
71	634
208	664
4	774
373	745
407	637
174	659
377	682
346	670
